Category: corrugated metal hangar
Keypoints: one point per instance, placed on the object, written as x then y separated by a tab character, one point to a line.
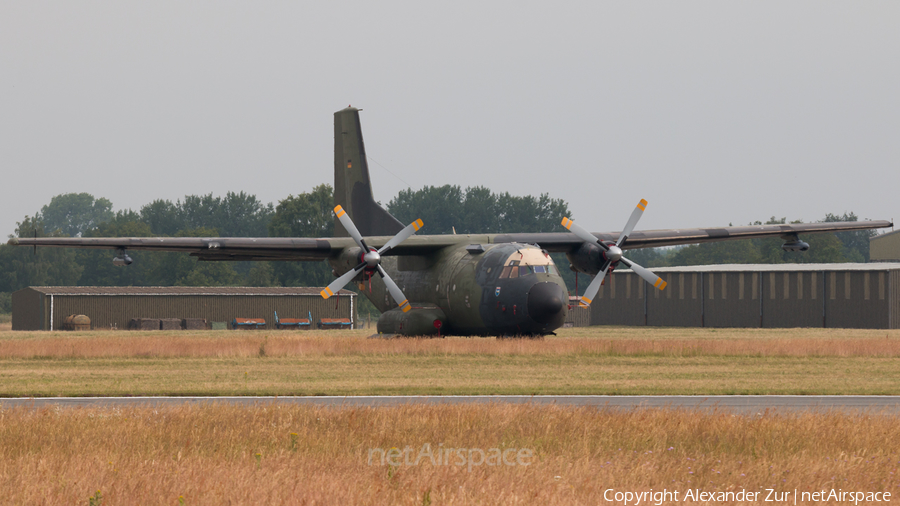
885	247
46	307
780	295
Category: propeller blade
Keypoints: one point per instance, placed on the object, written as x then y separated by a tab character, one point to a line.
632	221
395	290
372	258
350	227
401	236
594	287
648	276
340	282
582	233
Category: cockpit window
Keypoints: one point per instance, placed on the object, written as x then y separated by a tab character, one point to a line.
527	261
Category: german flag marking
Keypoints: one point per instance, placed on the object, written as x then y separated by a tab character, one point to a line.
642	205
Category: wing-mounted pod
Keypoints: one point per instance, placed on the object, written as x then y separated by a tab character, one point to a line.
792	242
370	259
610	255
122	258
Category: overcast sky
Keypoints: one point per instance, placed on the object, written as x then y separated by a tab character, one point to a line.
715	112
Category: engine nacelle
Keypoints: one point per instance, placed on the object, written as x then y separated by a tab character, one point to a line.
588	258
421	320
795	246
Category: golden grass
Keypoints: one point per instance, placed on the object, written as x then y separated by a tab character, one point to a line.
580	361
279	454
603	341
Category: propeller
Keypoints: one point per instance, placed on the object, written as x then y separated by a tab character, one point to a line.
612	254
371	259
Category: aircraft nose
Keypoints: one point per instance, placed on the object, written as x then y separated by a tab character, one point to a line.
545	302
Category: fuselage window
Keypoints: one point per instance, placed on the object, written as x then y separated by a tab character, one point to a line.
524	270
514	272
540	268
505	273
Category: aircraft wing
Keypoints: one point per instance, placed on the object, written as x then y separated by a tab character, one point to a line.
246	248
565	241
312	249
206	248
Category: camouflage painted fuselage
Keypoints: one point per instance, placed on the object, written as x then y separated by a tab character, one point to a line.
481	288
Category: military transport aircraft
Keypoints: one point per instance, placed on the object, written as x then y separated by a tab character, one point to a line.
492	284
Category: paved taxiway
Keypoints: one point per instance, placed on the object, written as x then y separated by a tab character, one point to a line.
744	404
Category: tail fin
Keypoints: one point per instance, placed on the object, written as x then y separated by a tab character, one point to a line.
352	186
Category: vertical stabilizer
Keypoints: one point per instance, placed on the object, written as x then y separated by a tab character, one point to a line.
352	186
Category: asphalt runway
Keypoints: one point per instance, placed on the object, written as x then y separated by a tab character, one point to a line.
738	404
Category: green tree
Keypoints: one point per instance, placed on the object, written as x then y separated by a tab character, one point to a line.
305	215
163	217
75	213
855	244
235	215
97	264
726	252
262	274
5	303
441	208
243	215
478	211
178	269
21	267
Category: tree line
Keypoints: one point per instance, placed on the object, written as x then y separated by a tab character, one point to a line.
444	209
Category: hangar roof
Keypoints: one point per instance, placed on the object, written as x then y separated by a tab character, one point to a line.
882	236
876	266
180	290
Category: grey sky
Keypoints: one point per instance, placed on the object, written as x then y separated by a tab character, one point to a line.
715	112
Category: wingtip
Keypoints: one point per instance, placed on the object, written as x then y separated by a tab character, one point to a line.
13	241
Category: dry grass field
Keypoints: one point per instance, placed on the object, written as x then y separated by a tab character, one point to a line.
306	455
283	454
604	360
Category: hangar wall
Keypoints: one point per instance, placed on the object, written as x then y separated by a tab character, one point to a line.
885	247
45	308
775	296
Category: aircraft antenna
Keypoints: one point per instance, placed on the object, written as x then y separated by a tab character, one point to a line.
389	171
